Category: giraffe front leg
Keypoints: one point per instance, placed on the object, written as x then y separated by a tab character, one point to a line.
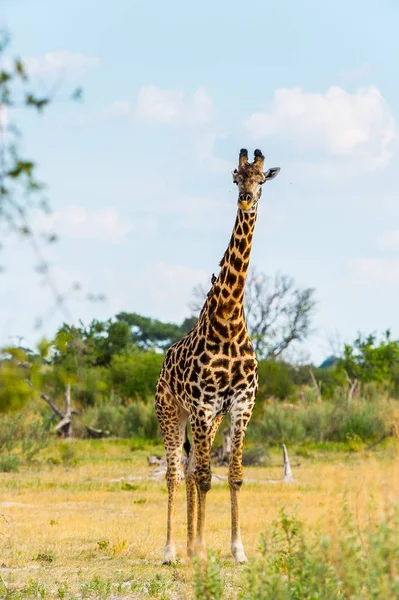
203	481
172	420
239	422
191	492
173	482
204	432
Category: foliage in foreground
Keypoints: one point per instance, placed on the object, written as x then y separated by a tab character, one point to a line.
21	439
294	566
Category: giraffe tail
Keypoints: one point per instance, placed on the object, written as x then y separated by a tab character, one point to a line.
187	445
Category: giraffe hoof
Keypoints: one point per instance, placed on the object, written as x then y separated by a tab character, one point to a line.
238	553
240	559
200	553
169	555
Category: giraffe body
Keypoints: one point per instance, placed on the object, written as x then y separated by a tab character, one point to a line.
212	371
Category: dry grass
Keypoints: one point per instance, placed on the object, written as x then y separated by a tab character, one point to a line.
69	532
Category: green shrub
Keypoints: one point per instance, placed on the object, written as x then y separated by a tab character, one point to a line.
140	421
276	379
21	438
336	421
109	417
135	375
295	566
208	583
135	420
9	463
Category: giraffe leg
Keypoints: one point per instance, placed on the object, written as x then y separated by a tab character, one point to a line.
204	432
172	420
239	421
191	490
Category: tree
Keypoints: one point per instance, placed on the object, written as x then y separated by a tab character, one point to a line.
367	360
150	333
15	391
277	312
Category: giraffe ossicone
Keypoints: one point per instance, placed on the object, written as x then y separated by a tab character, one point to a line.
212	371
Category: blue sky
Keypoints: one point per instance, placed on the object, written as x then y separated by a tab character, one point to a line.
139	174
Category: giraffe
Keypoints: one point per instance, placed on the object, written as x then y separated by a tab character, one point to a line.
211	371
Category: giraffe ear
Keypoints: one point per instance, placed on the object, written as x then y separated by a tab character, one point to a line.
271	173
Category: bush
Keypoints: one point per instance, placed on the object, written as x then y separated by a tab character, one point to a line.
140	421
21	438
295	567
108	417
135	420
14	389
276	378
9	463
135	375
208	583
336	421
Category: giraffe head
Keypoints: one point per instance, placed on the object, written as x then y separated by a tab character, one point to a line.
249	177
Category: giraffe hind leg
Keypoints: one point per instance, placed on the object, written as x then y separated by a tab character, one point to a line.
191	492
172	421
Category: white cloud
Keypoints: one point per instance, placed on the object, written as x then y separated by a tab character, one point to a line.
171	107
201	108
161	289
379	270
342	124
205	151
389	240
60	62
104	225
118	108
158	105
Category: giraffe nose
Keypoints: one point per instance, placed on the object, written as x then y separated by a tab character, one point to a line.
245	197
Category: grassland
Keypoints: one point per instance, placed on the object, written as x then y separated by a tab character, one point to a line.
69	530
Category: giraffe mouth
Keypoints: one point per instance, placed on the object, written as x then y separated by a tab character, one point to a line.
247	206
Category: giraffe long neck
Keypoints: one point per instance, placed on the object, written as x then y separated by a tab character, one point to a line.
227	294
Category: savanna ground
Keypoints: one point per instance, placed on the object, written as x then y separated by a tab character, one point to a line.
69	531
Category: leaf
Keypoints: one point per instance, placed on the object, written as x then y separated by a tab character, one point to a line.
77	94
20	69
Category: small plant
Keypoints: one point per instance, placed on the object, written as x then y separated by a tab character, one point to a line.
118	548
140	501
97	587
130	487
9	463
103	544
208	584
68	454
52	522
62	591
155	588
355	443
35	589
45	557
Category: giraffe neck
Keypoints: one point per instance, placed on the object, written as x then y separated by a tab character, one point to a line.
227	294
